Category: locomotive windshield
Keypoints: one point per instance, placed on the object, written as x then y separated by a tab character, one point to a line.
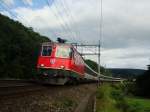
63	52
46	50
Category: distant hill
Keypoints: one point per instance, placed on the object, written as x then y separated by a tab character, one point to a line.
19	47
125	72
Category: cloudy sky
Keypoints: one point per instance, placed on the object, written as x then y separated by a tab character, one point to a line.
125	30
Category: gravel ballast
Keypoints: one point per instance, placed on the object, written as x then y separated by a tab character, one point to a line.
48	99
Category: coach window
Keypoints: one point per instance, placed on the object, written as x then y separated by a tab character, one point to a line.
63	52
46	50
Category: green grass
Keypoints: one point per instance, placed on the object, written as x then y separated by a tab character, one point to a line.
105	102
111	98
138	104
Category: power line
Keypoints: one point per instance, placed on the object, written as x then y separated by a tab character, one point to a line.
51	30
61	25
101	75
65	22
61	20
5	7
69	14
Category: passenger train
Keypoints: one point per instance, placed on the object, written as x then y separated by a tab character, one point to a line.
61	63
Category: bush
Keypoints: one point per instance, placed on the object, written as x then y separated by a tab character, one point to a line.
136	107
143	85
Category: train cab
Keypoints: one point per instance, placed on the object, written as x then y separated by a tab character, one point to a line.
54	56
59	61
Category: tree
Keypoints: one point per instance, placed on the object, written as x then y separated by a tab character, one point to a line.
143	84
94	66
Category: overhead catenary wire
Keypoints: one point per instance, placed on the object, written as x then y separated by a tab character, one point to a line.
54	13
60	19
73	18
51	30
8	9
100	75
63	28
66	21
17	17
66	13
70	18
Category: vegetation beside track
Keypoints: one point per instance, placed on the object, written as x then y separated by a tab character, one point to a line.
142	84
19	47
112	98
94	66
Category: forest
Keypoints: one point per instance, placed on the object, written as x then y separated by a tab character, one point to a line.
19	47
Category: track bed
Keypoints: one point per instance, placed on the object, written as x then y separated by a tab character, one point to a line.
47	98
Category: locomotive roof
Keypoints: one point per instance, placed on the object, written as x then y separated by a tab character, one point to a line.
56	43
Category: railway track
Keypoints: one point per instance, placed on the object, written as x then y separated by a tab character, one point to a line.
13	86
24	96
27	95
15	83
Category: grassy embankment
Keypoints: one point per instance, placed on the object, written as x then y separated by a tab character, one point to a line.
111	98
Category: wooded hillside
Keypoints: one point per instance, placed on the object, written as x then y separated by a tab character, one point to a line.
19	48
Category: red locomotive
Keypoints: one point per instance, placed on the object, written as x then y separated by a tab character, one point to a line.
59	63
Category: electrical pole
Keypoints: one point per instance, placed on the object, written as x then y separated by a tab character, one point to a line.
99	50
96	52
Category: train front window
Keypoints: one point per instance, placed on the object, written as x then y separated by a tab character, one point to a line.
63	52
46	50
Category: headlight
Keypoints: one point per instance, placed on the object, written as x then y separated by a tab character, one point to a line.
62	67
42	65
